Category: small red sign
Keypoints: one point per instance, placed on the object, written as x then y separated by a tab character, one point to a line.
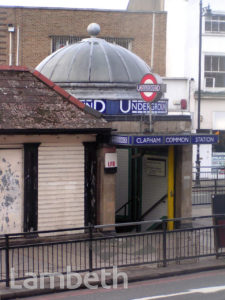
111	164
149	79
110	160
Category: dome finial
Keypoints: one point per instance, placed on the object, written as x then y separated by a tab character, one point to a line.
93	29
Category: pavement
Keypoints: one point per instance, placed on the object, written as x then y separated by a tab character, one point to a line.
134	273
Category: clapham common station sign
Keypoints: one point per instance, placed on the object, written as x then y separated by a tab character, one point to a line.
165	140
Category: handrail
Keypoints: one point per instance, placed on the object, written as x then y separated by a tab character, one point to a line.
122	207
153	207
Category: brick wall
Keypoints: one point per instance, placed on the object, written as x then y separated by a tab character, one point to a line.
3	37
37	25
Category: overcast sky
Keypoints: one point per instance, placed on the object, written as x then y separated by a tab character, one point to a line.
102	4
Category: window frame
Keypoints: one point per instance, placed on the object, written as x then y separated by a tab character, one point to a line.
63	40
213	71
216	21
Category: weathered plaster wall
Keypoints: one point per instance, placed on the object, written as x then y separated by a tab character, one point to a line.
106	190
11	190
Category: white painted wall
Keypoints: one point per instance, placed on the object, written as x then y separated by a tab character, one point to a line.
178	89
209	108
183	37
176	37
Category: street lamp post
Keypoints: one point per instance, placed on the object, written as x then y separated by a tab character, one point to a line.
203	11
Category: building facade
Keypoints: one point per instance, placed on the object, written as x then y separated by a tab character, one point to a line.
105	76
28	35
183	60
146	148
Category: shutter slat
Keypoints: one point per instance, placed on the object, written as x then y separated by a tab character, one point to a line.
60	186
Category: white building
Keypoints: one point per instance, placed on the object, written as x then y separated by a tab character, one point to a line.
183	60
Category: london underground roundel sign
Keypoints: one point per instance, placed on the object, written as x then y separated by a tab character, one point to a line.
148	87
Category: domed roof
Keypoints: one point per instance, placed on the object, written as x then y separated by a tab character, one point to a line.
93	60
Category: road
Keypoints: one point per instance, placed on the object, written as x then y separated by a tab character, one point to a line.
205	285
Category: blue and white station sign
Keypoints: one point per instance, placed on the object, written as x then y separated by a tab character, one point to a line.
121	140
127	107
140	140
148	140
205	139
177	140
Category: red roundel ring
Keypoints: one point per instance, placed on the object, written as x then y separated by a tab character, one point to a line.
148	79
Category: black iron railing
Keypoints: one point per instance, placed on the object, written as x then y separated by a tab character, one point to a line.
95	247
211	181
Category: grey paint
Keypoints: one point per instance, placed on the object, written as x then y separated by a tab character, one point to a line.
93	60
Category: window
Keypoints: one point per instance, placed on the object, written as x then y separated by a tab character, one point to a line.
61	41
215	24
214	71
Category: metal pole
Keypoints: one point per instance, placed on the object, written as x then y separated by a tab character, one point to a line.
90	247
170	209
17	46
164	243
150	117
10	48
200	66
199	92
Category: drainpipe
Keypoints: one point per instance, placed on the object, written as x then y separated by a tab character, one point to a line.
17	45
190	98
170	208
153	41
11	29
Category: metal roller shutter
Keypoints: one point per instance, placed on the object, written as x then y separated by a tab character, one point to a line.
60	186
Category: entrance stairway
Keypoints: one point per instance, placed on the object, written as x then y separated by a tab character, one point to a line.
123	215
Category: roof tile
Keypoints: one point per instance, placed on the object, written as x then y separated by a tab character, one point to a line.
29	101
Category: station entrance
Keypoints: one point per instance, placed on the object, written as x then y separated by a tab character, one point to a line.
142	184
